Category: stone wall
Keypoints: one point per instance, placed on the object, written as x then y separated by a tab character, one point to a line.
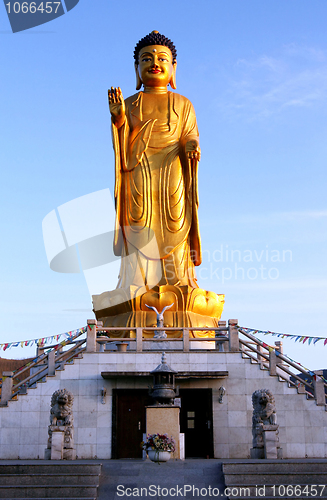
24	423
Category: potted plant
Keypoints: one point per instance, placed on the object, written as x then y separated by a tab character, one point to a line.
102	334
102	339
159	447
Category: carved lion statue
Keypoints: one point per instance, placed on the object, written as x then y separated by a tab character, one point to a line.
61	408
264	413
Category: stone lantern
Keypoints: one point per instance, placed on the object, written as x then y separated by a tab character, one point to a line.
164	391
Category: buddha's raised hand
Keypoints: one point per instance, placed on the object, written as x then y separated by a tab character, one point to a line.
116	106
193	150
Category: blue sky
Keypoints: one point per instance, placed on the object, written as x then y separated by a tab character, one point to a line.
256	73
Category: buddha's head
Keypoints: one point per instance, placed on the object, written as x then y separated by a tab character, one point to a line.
155	61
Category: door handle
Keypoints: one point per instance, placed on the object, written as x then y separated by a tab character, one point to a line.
139	425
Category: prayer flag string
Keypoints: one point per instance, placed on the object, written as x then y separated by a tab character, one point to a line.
297	338
43	341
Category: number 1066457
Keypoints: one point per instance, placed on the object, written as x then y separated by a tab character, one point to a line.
297	490
32	7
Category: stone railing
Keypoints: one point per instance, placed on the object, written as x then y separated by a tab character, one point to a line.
222	337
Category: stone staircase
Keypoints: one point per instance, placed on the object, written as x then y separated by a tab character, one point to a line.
44	480
241	479
39	370
188	479
276	478
311	384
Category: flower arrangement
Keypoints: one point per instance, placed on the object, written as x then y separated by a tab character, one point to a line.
159	442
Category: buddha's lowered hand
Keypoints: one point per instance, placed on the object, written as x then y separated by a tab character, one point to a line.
116	106
193	150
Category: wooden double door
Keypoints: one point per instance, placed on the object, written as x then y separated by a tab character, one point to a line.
129	423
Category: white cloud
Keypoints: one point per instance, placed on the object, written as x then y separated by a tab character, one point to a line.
268	85
279	217
278	285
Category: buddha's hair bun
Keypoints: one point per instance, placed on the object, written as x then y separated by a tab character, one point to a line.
155	38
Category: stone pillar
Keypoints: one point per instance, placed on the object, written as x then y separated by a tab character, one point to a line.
186	340
279	346
319	388
51	362
269	448
259	357
61	446
300	388
234	344
164	419
7	384
220	343
270	441
272	363
139	340
91	338
57	445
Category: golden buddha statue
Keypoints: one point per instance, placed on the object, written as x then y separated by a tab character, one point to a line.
156	145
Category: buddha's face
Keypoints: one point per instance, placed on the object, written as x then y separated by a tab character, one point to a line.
155	66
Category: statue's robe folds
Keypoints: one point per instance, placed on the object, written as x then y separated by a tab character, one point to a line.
156	196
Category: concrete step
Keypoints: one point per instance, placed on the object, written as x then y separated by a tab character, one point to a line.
48	467
45	479
62	491
308	466
267	479
49	479
276	478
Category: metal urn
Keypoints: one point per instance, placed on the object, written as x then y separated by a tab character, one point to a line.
164	391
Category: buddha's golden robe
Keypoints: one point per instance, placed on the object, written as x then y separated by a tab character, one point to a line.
156	196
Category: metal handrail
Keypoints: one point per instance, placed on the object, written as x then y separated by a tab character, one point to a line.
266	365
243	342
168	328
279	365
178	339
71	356
76	346
34	363
30	377
36	376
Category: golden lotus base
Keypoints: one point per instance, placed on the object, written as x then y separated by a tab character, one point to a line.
192	307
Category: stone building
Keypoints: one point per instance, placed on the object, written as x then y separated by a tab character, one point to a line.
110	388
